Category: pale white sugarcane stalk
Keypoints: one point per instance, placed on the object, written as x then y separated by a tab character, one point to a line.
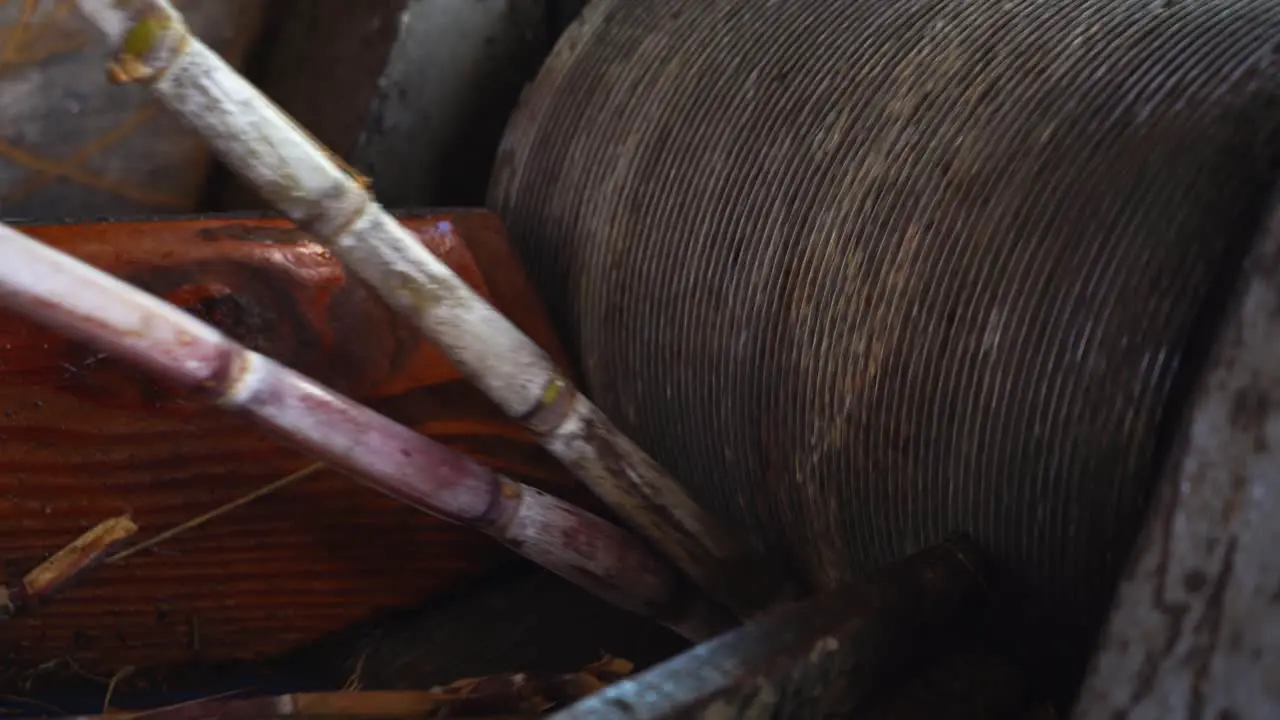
89	305
299	177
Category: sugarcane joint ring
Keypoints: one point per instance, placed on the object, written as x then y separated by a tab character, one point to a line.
554	406
150	48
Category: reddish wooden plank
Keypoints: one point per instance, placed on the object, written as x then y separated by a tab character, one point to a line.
83	438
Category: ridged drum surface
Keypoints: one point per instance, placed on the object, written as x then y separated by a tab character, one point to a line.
862	273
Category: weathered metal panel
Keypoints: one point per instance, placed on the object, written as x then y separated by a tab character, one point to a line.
451	81
414	93
1196	629
71	144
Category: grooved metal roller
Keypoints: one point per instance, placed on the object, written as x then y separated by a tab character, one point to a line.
864	273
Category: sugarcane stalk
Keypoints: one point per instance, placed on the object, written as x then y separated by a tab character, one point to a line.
264	146
89	305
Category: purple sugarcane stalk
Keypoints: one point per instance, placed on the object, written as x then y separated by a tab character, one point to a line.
91	306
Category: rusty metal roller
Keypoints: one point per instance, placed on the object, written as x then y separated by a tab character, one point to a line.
862	273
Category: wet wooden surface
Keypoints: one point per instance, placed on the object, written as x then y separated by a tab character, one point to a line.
83	438
71	144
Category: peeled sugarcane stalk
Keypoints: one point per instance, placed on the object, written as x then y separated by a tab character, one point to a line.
300	179
90	305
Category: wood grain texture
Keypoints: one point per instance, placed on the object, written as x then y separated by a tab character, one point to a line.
83	438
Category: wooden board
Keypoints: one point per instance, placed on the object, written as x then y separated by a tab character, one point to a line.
83	438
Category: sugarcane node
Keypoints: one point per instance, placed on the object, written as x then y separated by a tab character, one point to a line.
150	47
503	505
554	406
340	207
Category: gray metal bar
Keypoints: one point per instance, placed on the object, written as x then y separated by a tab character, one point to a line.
814	659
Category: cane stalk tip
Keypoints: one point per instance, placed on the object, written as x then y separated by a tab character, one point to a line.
552	392
141	39
143	43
